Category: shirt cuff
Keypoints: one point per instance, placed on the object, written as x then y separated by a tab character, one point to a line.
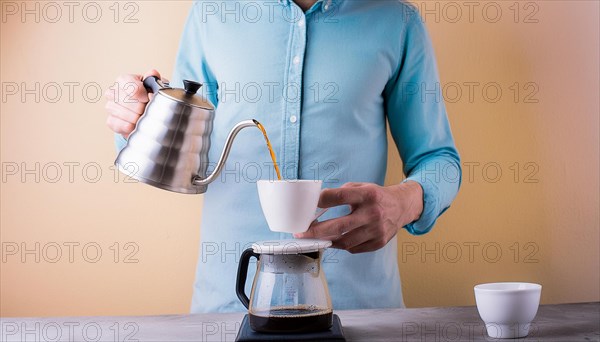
120	142
431	206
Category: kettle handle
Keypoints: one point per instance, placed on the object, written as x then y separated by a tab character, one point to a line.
242	274
153	84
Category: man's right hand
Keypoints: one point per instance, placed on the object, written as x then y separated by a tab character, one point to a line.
126	101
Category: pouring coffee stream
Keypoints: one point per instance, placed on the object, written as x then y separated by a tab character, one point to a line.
169	146
271	152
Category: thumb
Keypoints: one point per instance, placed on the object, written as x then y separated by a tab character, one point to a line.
152	72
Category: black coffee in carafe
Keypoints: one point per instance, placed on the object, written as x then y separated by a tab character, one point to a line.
297	319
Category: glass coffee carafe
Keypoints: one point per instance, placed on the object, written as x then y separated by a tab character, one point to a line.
289	293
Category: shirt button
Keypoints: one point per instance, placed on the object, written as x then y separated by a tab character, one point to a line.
296	60
293	119
326	7
301	22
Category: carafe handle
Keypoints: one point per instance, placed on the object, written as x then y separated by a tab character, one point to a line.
242	274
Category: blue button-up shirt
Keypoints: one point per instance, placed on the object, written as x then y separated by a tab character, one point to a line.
323	83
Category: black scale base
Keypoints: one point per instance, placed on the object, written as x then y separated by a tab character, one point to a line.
246	334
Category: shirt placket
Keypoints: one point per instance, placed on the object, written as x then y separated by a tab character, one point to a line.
293	79
293	92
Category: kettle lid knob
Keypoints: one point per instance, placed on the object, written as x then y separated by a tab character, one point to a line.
191	87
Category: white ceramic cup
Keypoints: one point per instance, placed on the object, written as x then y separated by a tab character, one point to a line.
507	308
289	205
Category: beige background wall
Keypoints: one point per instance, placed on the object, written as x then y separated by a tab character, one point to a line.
540	213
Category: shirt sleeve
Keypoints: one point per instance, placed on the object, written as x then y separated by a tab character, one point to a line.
419	125
120	142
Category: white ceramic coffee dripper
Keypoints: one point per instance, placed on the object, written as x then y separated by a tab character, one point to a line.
290	206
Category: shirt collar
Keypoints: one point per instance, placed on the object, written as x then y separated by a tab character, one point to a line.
326	5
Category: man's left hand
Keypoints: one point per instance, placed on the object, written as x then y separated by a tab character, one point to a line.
377	213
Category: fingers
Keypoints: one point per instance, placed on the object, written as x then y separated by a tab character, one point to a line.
366	238
130	93
349	193
352	239
363	239
334	197
352	185
334	228
121	112
369	246
119	126
371	224
371	239
354	194
109	94
126	102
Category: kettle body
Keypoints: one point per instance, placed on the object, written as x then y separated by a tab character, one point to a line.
169	146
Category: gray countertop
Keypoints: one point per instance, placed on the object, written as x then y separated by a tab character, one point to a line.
563	322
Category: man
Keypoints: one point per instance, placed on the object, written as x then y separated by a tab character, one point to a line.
322	77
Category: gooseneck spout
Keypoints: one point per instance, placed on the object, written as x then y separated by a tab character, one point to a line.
198	180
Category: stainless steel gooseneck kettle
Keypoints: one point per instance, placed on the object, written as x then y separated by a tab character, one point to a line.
169	147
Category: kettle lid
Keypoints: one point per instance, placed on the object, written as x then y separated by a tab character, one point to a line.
188	95
290	246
